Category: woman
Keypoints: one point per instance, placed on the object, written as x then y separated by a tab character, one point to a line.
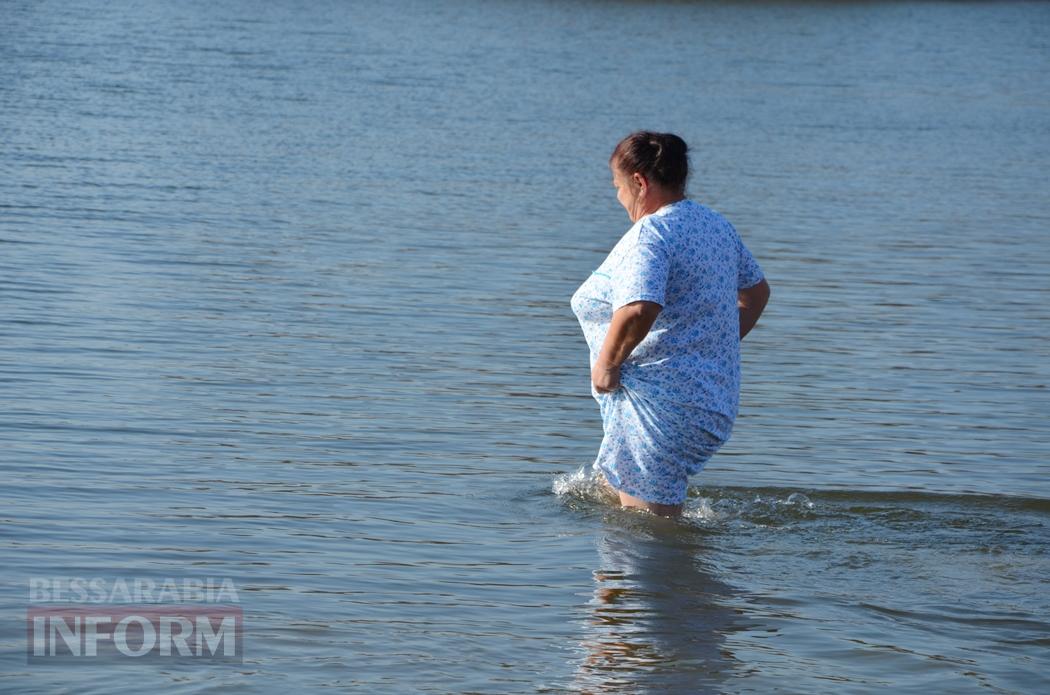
663	316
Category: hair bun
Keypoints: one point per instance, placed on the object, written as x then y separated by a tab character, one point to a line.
661	157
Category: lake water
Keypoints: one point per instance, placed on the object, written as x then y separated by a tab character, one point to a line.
286	301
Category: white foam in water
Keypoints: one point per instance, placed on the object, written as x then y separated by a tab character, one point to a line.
799	500
584	483
700	509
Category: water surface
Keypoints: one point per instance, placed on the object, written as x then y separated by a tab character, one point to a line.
286	301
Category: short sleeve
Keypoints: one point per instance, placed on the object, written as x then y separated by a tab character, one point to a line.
641	274
749	273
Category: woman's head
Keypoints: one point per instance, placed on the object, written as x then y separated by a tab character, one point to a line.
649	169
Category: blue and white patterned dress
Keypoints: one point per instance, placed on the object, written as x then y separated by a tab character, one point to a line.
680	387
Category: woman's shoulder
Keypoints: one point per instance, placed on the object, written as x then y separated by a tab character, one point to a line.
688	209
691	216
675	218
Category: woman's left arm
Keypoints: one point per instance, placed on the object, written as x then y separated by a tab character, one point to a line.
630	324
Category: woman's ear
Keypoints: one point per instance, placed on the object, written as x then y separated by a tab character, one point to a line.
640	181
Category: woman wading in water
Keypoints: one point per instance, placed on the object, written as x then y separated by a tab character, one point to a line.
663	316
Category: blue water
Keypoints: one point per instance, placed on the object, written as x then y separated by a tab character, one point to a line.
286	302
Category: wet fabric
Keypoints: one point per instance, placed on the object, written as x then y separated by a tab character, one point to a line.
680	386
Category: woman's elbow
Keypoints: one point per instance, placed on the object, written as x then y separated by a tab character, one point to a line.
764	292
755	296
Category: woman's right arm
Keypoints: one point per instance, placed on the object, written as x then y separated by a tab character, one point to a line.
751	302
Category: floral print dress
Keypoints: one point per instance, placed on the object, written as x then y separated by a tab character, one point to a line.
680	387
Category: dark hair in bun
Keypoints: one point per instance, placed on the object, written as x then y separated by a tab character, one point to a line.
663	158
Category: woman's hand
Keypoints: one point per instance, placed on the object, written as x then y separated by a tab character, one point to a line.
605	377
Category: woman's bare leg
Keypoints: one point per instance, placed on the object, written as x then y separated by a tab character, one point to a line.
672	510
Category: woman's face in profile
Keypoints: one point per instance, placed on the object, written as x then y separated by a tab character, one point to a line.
626	192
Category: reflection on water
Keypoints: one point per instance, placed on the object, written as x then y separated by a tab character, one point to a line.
658	619
753	586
